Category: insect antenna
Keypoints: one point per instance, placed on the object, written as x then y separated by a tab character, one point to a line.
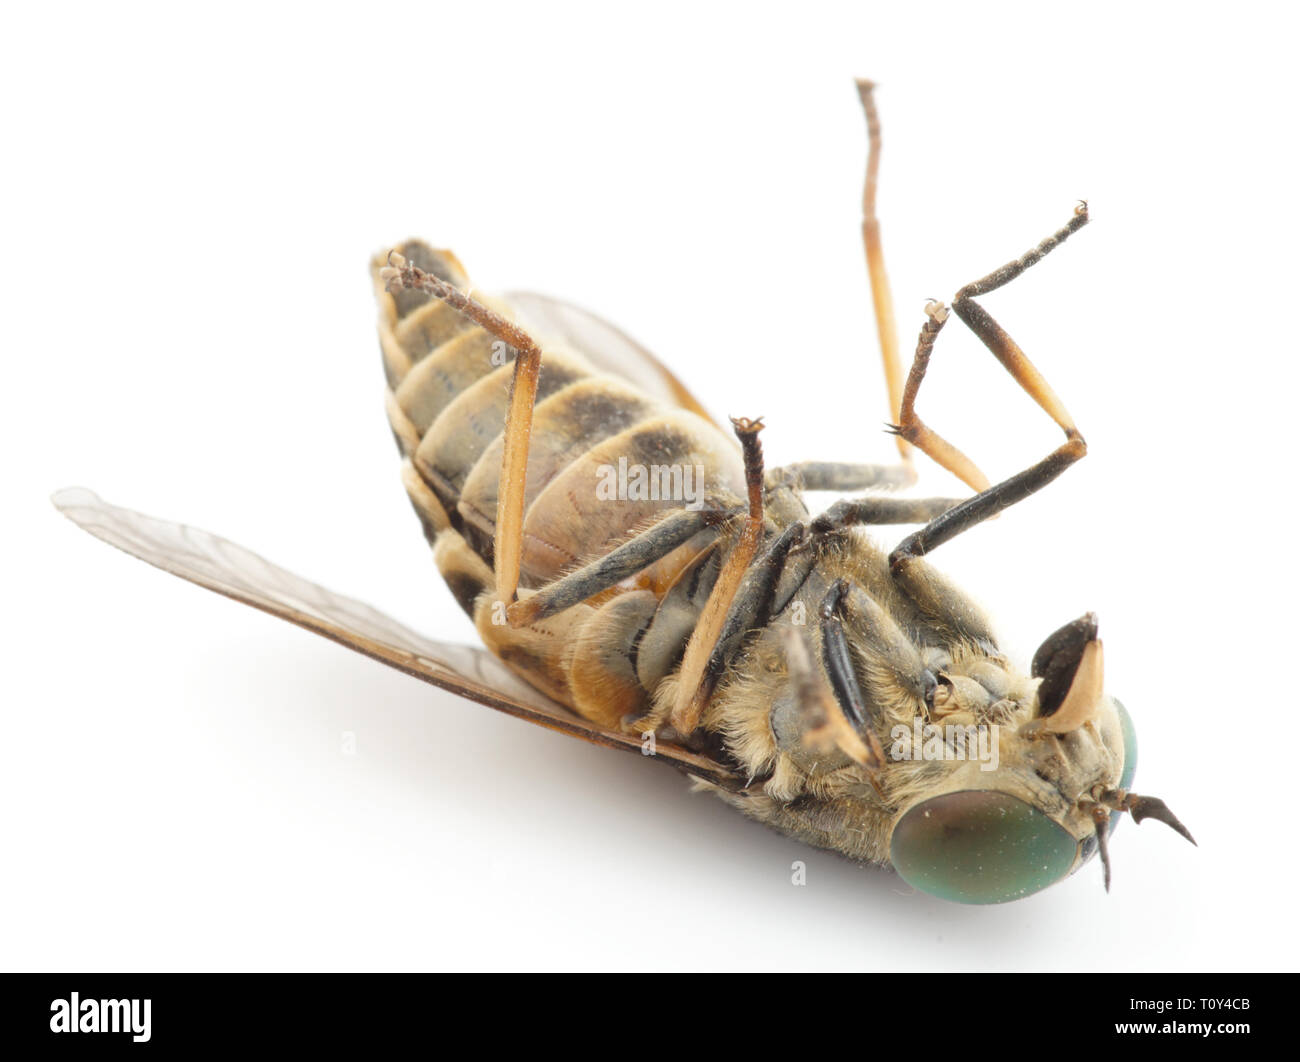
1140	807
1101	825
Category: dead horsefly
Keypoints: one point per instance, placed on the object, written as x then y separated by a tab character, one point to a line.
642	582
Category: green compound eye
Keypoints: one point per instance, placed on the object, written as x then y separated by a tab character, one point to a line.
979	846
1130	766
1130	744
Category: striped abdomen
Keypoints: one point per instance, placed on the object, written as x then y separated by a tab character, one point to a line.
606	459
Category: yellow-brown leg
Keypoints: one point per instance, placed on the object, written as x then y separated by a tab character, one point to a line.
1001	345
508	544
692	690
886	327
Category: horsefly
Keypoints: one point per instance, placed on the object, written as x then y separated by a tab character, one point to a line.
641	581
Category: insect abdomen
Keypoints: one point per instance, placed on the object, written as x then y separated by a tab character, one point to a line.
593	432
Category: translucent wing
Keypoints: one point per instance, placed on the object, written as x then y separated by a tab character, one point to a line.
601	343
231	570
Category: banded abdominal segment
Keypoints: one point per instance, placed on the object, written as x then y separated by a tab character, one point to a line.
448	391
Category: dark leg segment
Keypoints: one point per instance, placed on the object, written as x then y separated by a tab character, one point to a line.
988	503
635	555
837	659
838	476
1004	348
822	723
990	500
751	608
1001	345
853	512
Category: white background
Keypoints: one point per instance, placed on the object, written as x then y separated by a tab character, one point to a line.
191	196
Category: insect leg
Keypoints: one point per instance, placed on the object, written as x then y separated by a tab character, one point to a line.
991	499
1003	347
990	502
886	328
751	607
633	556
508	546
840	476
852	512
837	659
693	689
822	720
